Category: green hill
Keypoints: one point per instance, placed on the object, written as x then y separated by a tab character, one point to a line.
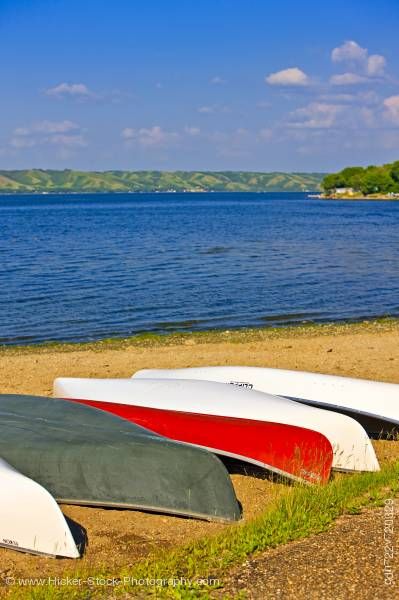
39	180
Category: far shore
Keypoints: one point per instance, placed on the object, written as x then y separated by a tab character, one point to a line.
354	197
143	192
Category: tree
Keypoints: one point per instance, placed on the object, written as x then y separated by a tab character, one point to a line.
376	180
369	180
395	171
333	181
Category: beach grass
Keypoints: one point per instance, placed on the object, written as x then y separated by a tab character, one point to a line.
196	569
234	336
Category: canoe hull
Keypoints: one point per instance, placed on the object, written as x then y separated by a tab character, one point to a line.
85	456
30	519
376	426
293	452
352	448
374	404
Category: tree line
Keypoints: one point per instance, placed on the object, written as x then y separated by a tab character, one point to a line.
367	180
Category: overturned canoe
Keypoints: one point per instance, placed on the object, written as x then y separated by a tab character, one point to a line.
213	416
85	456
352	448
374	404
30	518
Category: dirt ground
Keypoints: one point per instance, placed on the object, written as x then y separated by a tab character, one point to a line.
118	538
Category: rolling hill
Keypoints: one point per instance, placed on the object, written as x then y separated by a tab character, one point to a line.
51	181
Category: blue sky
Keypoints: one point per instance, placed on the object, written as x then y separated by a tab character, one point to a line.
210	84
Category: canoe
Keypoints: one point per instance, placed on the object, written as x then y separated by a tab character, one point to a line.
292	452
85	456
30	518
351	445
374	404
229	402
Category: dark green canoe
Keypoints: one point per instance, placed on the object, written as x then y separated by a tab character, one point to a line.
82	455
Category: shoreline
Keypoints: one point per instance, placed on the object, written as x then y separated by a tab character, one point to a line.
138	192
354	197
368	350
237	335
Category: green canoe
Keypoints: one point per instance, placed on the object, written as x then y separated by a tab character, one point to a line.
82	455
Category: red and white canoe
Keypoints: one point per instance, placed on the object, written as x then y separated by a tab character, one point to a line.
199	403
374	404
288	450
352	448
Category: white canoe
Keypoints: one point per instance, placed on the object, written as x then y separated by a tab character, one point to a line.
352	448
30	519
374	404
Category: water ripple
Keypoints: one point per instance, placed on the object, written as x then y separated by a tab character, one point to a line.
86	267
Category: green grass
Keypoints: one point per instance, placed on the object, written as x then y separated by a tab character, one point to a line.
298	513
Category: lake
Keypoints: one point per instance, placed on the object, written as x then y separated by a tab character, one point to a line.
85	267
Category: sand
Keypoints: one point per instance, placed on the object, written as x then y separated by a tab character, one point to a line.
118	538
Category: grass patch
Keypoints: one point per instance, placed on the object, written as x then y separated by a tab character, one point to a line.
298	513
234	336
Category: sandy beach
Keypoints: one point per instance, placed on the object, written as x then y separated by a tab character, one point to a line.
118	538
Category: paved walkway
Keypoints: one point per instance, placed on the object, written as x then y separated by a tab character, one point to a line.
343	563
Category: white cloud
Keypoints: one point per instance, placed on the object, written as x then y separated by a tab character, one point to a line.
72	90
349	51
47	127
128	133
22	142
368	116
365	97
81	93
347	98
68	140
192	130
154	136
150	137
348	79
241	131
376	64
206	110
59	133
217	80
317	115
288	77
265	134
391	106
213	108
369	97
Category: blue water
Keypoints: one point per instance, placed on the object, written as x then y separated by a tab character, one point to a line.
86	267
